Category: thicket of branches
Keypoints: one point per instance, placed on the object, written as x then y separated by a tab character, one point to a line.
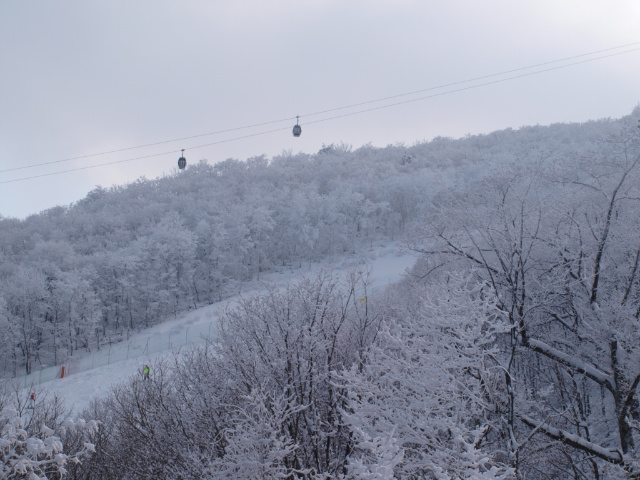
558	241
317	381
38	439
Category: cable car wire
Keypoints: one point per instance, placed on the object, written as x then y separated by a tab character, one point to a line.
469	87
171	152
424	97
506	72
342	107
146	145
501	80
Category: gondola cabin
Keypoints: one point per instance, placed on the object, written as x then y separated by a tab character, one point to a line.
182	162
297	129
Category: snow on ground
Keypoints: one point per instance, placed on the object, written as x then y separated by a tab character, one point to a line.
94	375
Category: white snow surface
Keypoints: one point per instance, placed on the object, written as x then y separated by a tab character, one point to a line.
94	375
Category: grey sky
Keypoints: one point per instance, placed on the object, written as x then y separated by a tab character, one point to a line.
85	76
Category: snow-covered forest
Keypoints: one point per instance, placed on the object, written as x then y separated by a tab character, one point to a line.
511	351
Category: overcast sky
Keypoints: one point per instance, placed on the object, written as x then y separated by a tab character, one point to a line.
83	77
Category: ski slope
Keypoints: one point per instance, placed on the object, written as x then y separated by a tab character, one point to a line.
94	375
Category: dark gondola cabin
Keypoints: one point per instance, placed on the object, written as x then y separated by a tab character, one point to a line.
182	162
297	129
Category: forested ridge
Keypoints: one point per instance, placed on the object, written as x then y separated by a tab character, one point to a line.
511	351
125	258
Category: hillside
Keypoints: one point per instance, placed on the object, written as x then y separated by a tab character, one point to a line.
509	351
125	258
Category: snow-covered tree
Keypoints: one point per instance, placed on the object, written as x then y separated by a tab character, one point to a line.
292	342
418	408
29	448
556	239
256	444
25	292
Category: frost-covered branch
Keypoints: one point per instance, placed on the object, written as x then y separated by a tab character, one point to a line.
609	454
590	371
36	457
